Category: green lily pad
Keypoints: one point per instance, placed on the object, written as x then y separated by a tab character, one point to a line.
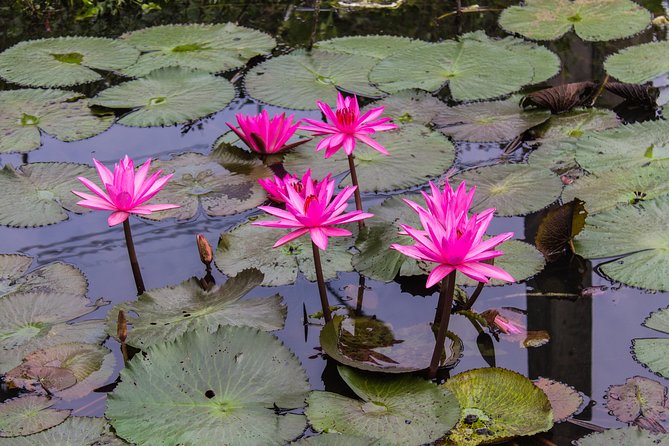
512	189
210	48
25	113
38	194
475	67
576	123
398	410
624	437
502	403
558	156
593	20
367	343
211	388
91	366
64	61
28	415
75	431
336	440
417	154
653	352
168	96
54	278
639	64
378	47
300	79
488	121
565	400
164	314
220	186
635	233
640	400
607	188
409	107
543	61
279	265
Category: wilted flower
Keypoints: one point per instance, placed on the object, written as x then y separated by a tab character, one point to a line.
264	135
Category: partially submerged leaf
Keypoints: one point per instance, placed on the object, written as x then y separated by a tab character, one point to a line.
558	228
378	47
28	415
639	64
644	95
640	401
565	400
75	431
562	98
653	352
624	437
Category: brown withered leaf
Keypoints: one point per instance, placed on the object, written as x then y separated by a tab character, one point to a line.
562	98
643	95
640	401
558	228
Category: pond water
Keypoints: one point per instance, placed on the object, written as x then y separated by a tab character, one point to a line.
591	321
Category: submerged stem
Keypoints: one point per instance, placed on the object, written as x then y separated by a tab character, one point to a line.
321	283
137	274
447	291
354	180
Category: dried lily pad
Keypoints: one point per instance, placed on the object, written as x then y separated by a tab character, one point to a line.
398	410
593	20
38	194
488	121
54	278
497	404
25	113
299	79
640	401
210	48
512	189
563	97
28	415
409	107
639	64
643	95
558	228
378	47
221	186
79	431
653	352
624	437
367	343
211	388
64	61
565	400
164	314
279	265
168	96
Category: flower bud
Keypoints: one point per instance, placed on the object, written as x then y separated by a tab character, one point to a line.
121	327
204	248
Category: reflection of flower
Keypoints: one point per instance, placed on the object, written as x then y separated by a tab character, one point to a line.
506	326
264	135
276	187
313	210
126	190
452	239
347	126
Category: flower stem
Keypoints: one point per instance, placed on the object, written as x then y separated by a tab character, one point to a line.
446	294
354	180
321	283
475	295
137	274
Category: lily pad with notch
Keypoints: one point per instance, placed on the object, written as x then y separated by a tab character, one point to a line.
640	401
565	400
230	386
53	278
28	415
639	64
376	46
653	352
79	431
624	437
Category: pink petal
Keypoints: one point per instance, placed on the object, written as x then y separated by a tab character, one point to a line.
438	274
319	238
371	143
117	217
288	237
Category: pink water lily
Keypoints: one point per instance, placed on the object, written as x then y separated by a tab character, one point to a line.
125	192
347	126
453	239
276	187
264	135
313	210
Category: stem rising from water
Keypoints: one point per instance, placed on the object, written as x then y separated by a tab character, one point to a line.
321	283
136	272
445	295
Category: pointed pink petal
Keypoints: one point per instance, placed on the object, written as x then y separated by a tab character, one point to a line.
438	274
117	217
319	238
291	236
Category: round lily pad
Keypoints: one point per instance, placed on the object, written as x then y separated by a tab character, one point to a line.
25	113
168	96
488	121
639	64
417	154
565	400
336	440
279	265
637	235
653	352
640	400
64	61
543	61
398	410
577	123
163	314
624	437
300	79
56	278
211	388
512	189
38	194
497	404
378	47
220	186
28	415
409	107
593	20
210	48
79	431
13	266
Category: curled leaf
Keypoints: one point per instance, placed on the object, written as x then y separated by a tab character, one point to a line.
563	97
644	95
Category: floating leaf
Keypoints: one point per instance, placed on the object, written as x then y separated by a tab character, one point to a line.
543	61
279	265
28	415
640	401
564	399
38	194
639	64
638	235
624	437
211	388
512	189
25	113
210	48
653	352
300	79
378	47
13	266
398	410
336	440
643	95
488	121
168	96
497	404
164	314
593	20
64	61
409	107
576	123
54	278
563	97
416	155
79	431
558	227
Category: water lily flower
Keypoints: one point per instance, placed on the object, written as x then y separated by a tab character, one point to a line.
264	135
125	192
347	126
276	187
